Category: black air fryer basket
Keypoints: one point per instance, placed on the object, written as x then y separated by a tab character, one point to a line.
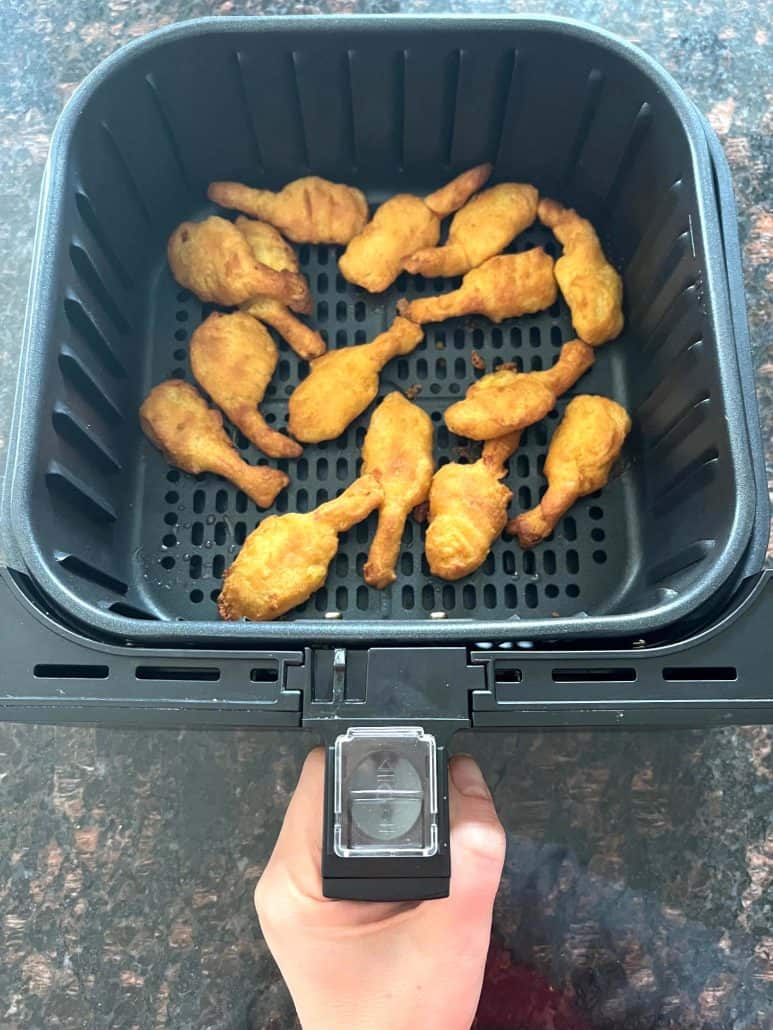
649	602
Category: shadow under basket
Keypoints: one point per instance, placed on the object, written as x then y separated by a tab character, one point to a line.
117	540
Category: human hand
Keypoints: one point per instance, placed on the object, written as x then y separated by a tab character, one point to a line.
387	965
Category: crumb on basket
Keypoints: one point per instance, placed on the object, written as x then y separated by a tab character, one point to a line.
413	391
466	451
477	361
421	512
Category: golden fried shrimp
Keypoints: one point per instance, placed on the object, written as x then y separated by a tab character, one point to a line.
486	224
305	341
271	249
268	245
342	383
176	419
233	359
402	225
502	287
397	450
582	452
591	286
449	198
374	258
307	210
213	260
286	558
506	400
468	510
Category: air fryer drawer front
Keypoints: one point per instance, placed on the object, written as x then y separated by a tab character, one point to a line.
714	675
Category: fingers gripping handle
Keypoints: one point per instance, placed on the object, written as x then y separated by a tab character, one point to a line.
400	852
386	816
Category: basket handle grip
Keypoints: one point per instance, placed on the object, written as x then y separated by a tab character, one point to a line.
386	831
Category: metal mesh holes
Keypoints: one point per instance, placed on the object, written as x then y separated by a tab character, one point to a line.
192	527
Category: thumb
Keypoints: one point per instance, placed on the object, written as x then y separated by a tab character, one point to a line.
477	857
477	837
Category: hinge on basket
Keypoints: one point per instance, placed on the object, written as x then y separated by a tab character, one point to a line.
291	683
339	673
502	677
391	685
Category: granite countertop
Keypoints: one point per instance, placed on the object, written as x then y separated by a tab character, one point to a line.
127	859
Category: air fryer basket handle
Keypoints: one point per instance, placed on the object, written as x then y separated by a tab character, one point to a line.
386	715
386	830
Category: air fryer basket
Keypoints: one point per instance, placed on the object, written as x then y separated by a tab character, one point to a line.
118	541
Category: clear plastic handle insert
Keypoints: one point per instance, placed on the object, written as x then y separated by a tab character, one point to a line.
385	800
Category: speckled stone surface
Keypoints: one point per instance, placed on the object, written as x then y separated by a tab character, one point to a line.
639	879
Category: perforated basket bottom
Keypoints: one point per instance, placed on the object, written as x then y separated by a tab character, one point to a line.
191	527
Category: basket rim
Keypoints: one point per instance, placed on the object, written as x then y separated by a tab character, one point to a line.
16	517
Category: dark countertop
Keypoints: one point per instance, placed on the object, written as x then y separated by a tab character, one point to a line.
639	880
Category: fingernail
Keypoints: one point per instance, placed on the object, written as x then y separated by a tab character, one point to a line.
467	777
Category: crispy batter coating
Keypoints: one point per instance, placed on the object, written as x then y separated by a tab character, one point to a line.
449	198
233	359
402	225
591	286
176	418
286	558
486	224
506	400
582	452
468	510
270	248
342	383
397	450
214	261
502	287
308	210
305	341
374	258
268	245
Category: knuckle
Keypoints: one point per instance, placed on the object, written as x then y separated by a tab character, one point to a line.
278	904
261	897
270	903
492	839
484	836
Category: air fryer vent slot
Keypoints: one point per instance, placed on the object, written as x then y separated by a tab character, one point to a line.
264	674
71	672
688	674
185	673
507	675
594	675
